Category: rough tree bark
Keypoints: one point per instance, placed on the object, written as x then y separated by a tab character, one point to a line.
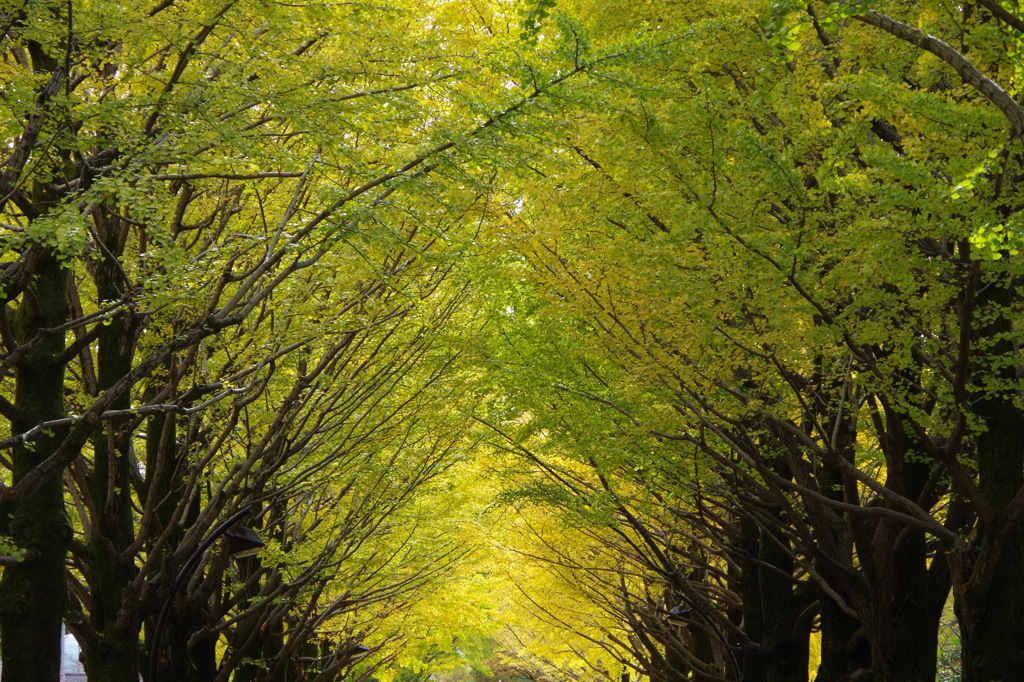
32	593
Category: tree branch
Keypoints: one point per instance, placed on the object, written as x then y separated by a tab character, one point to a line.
1004	15
970	74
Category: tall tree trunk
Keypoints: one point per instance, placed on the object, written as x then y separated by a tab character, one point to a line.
777	609
32	593
990	606
114	618
785	645
906	599
746	584
845	649
188	651
989	574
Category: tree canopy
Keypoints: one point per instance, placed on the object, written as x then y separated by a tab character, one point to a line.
587	339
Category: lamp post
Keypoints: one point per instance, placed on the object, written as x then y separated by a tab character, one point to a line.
678	615
241	544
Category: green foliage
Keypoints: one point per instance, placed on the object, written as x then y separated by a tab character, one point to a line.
10	551
533	13
258	210
745	272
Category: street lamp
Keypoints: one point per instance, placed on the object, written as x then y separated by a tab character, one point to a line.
679	615
357	652
243	543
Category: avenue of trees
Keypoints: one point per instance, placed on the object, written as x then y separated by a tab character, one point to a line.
673	340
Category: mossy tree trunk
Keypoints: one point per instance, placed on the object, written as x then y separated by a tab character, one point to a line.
32	593
112	653
988	572
989	583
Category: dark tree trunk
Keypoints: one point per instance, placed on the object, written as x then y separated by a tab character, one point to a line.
777	610
906	628
845	648
32	593
785	645
747	587
990	605
270	641
165	445
906	599
112	653
176	661
989	574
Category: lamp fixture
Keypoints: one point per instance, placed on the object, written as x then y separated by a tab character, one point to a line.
679	615
244	543
241	544
358	651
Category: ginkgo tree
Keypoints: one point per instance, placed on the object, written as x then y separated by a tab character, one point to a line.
212	211
770	256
